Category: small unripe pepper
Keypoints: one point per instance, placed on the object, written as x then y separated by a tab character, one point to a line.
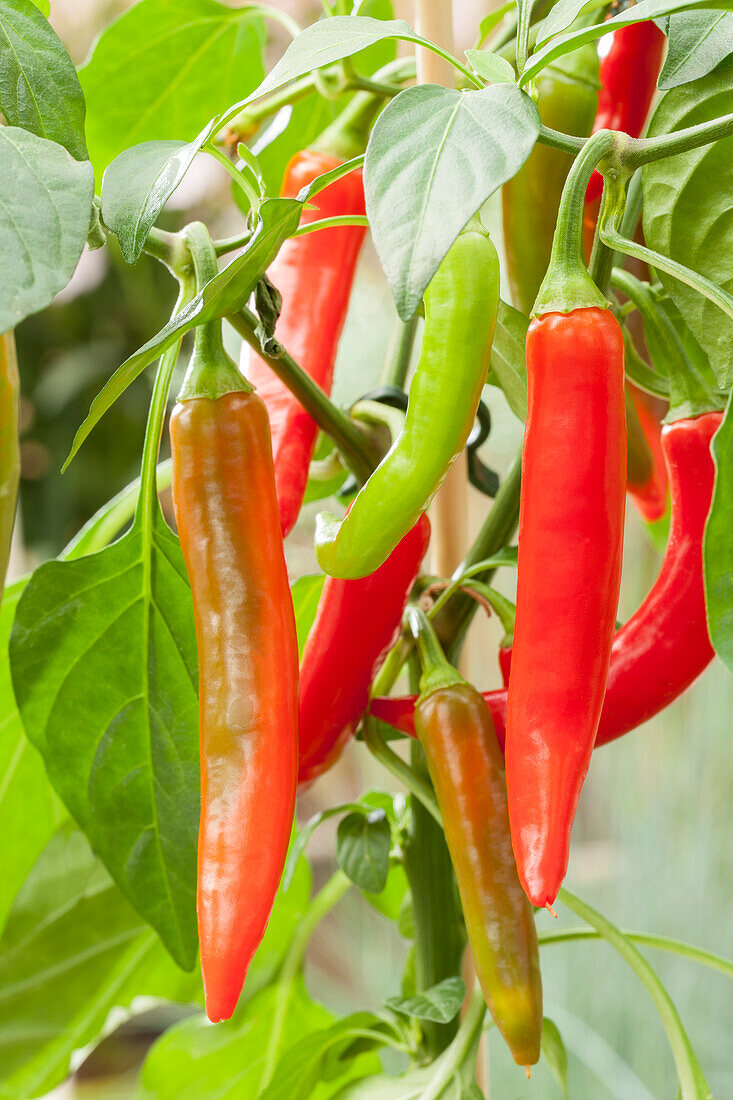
460	314
465	764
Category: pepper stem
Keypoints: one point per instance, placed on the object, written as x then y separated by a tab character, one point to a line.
211	373
437	672
567	284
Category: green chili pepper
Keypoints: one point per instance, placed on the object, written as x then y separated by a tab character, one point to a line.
568	98
9	449
460	313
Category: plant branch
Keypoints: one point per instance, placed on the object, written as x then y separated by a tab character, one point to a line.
388	758
351	440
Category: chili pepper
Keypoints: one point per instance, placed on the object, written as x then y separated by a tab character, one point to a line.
465	764
226	511
665	645
9	448
314	274
646	478
460	313
629	73
567	101
356	622
569	573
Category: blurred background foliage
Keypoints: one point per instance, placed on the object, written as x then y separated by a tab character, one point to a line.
652	847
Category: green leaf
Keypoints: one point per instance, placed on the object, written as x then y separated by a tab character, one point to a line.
698	42
561	15
166	67
508	366
43	5
45	210
555	1054
718	544
327	1055
363	843
103	660
226	293
441	1003
30	812
382	52
648	9
72	950
306	594
416	200
688	210
491	67
193	1060
691	1078
137	185
325	42
390	899
493	19
39	88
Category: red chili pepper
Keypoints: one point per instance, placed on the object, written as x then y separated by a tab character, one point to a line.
228	523
314	274
356	622
665	645
628	73
571	522
651	492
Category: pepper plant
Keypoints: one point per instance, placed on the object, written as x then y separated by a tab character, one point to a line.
170	692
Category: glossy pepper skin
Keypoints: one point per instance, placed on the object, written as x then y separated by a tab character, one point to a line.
466	767
356	622
571	521
314	274
567	101
665	645
629	73
228	522
9	446
460	314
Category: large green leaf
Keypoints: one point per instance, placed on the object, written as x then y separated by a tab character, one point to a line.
103	660
137	185
226	293
166	67
688	210
39	88
434	157
45	210
72	950
30	813
441	1003
194	1060
698	42
718	545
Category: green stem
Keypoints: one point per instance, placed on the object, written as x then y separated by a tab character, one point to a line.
348	436
329	223
612	207
634	152
437	672
399	352
498	527
523	27
148	496
238	177
714	293
557	140
415	784
647	939
567	284
689	394
641	374
251	117
322	903
171	249
438	934
691	1078
231	244
108	521
460	1048
211	373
